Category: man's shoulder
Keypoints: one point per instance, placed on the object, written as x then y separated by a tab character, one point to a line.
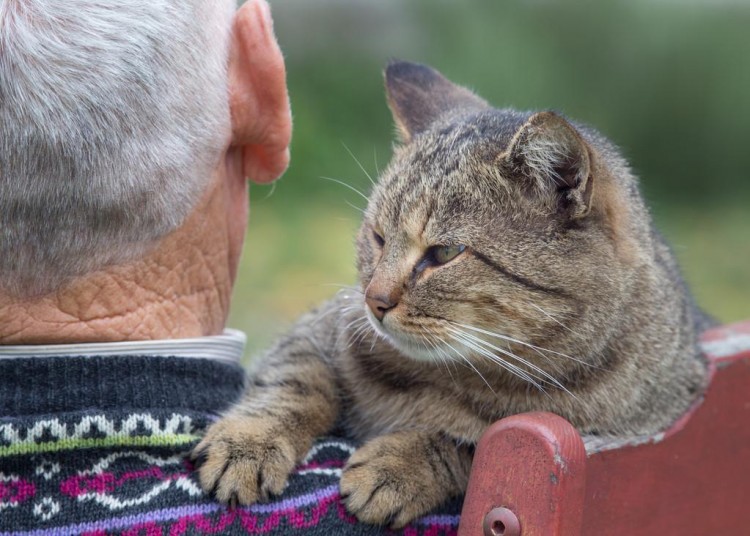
121	474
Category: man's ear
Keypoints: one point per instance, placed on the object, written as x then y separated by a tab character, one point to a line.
258	99
418	95
550	152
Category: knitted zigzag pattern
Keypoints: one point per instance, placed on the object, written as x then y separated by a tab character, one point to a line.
126	473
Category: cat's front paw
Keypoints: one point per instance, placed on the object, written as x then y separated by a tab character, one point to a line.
392	480
244	459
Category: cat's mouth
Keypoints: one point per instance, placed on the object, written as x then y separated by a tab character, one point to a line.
412	345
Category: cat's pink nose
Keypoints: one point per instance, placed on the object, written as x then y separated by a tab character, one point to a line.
379	305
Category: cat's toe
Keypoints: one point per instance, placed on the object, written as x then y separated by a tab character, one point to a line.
370	498
379	492
243	460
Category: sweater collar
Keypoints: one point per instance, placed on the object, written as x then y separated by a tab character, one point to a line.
53	384
228	347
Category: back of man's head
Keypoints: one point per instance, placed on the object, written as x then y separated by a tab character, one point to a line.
112	117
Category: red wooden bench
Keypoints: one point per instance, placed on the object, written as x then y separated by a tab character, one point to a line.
532	475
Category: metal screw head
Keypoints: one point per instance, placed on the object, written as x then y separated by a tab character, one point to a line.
501	522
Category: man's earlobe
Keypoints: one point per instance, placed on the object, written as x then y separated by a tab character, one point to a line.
258	99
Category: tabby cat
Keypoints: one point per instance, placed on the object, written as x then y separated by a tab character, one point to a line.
507	263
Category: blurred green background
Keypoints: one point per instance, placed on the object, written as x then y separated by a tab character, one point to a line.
667	80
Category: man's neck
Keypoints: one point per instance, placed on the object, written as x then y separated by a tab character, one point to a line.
106	308
180	290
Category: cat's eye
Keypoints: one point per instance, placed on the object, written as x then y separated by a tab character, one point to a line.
378	238
444	254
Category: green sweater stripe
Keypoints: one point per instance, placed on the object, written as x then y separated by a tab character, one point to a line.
166	440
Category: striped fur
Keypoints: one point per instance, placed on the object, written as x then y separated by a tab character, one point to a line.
565	299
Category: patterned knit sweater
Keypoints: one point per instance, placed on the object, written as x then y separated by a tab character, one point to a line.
97	446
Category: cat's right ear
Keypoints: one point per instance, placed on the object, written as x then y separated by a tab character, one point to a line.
549	150
418	95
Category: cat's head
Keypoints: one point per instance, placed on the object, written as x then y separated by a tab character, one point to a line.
491	230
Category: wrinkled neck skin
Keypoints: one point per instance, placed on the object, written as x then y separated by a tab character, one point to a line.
180	289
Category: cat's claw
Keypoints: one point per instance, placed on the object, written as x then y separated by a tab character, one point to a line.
383	484
242	460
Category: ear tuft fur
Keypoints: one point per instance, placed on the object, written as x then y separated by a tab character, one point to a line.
550	151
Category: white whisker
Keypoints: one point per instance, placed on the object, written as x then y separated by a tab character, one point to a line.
470	364
342	183
358	163
522	343
357	338
323	316
545	313
359	334
355	207
375	159
445	359
510	354
359	322
271	191
546	376
513	369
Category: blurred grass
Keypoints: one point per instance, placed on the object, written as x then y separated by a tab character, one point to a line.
668	81
712	244
292	261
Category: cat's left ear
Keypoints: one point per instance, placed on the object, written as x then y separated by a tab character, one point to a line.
548	150
418	96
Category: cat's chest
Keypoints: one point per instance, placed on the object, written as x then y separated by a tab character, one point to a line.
375	409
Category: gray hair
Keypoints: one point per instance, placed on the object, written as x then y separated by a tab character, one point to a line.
112	116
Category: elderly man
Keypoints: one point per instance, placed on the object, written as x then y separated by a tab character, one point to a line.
127	134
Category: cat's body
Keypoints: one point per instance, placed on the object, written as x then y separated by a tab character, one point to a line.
507	264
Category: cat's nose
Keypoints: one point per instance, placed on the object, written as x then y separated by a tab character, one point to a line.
379	305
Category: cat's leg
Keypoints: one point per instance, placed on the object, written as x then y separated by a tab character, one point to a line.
395	478
248	454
